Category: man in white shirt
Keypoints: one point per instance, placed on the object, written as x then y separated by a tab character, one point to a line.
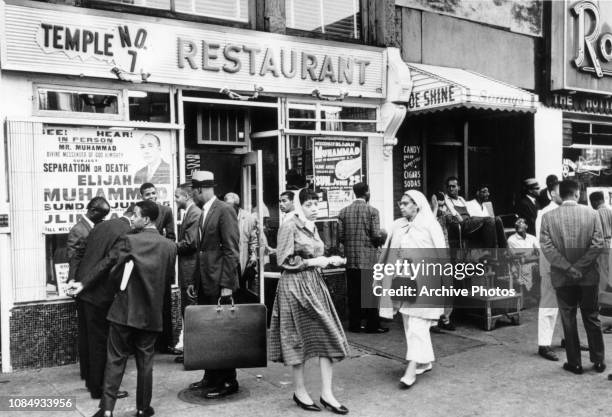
487	230
286	204
526	245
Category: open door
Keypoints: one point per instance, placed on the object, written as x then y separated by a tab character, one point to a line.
252	192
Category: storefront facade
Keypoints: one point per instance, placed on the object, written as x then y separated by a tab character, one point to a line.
99	100
474	105
579	96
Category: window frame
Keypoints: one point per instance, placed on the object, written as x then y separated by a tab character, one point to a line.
37	111
318	120
327	36
171	13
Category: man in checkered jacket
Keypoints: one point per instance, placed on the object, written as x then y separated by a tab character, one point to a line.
359	231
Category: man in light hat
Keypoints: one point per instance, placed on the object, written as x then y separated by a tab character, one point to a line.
219	259
527	206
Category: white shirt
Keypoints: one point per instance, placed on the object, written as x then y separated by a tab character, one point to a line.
89	222
288	215
517	241
476	210
533	200
206	208
538	223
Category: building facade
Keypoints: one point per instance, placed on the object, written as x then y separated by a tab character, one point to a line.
106	95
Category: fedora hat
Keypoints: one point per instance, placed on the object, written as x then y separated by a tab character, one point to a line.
203	179
531	183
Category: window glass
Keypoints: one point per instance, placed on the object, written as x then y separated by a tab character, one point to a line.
149	107
331	118
227	9
81	102
157	4
333	17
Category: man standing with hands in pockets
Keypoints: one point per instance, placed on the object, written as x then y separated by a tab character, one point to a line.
218	257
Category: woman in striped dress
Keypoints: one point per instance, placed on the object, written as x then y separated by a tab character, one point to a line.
304	321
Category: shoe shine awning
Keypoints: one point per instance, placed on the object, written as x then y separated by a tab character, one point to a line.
438	88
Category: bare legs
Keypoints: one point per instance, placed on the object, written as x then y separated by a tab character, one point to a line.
326	383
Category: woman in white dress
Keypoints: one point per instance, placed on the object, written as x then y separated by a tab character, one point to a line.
416	236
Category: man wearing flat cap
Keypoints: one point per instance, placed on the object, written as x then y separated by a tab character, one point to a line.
527	206
218	258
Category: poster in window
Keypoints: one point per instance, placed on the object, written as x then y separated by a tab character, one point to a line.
77	164
337	167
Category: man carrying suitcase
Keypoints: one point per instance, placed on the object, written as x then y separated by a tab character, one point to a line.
218	255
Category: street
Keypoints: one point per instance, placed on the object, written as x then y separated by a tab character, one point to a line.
476	373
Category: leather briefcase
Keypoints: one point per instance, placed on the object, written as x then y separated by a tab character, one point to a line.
225	336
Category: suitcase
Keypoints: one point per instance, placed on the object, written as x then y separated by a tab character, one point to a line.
225	336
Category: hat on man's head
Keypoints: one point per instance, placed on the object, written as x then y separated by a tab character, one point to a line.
531	183
203	179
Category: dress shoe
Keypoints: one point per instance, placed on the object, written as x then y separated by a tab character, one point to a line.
405	383
147	412
179	359
378	331
576	369
355	329
121	394
100	413
446	325
583	348
599	367
610	377
547	353
201	384
424	369
171	351
607	330
307	407
337	410
223	390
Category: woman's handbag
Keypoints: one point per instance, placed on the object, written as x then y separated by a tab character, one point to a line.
225	336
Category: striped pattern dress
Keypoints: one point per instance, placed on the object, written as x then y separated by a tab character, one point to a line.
304	321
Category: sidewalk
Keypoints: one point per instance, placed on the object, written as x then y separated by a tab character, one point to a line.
477	373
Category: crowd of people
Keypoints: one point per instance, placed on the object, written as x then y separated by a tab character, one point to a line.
121	271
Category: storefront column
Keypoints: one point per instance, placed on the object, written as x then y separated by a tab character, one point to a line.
548	137
6	282
380	171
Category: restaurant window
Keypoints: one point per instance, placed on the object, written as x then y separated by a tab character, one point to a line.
340	18
149	107
327	118
236	10
587	157
77	101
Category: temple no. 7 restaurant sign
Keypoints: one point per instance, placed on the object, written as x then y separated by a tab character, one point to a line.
58	39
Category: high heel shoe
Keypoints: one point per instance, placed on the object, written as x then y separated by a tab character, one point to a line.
308	407
338	410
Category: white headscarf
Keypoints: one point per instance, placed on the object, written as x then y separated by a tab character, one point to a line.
425	231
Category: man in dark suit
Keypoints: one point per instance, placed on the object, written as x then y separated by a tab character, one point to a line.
135	315
95	291
527	206
218	256
165	222
545	196
97	210
157	170
571	240
165	226
186	246
359	232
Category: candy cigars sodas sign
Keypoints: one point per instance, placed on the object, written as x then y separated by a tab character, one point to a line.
78	164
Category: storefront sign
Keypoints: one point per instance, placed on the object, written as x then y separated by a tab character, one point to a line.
63	40
412	167
337	167
433	97
119	46
78	164
581	58
580	102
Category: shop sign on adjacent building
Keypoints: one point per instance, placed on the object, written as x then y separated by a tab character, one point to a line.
337	167
75	165
64	40
581	46
580	103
